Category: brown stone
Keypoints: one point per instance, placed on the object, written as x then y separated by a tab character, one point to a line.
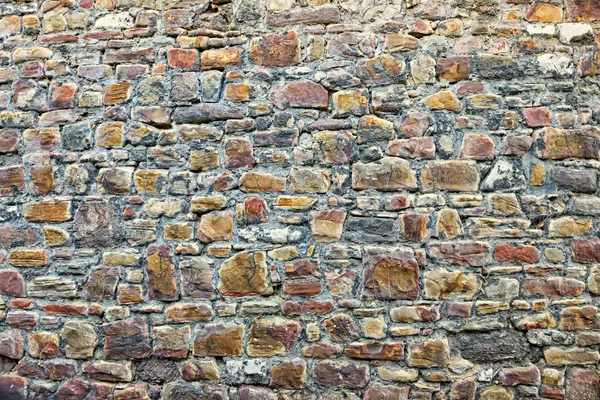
288	374
254	182
443	101
219	340
582	384
429	353
558	144
341	374
388	174
276	50
272	336
47	211
453	69
477	147
553	287
182	58
220	58
375	351
327	226
215	226
303	94
586	251
390	276
341	328
441	284
12	180
244	274
171	342
28	258
188	312
456	176
126	340
117	93
544	12
102	283
579	318
161	280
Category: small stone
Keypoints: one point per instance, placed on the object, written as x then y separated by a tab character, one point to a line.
453	69
303	94
171	342
117	93
254	182
220	58
349	102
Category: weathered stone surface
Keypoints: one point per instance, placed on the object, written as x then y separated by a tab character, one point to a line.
81	339
276	50
456	176
126	340
161	279
341	374
219	340
496	346
272	336
428	354
304	94
390	275
244	274
388	174
102	283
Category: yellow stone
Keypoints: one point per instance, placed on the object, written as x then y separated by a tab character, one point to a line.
150	181
443	101
110	134
538	174
28	258
47	211
55	237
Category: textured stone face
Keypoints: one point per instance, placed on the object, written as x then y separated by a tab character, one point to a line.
299	199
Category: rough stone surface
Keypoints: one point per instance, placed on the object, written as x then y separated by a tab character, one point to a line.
299	199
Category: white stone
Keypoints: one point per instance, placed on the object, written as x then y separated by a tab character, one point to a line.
554	65
277	5
541	29
115	21
575	32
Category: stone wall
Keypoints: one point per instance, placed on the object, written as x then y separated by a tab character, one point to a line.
299	199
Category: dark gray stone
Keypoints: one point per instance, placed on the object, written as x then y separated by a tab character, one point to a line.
491	346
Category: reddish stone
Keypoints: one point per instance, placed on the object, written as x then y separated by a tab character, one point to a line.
12	180
11	344
582	384
60	370
272	336
66	309
182	58
75	389
62	96
375	351
31	368
255	210
22	319
553	287
238	153
462	310
300	269
304	94
126	340
13	387
521	376
219	340
537	117
307	307
9	140
24	304
12	283
516	145
397	202
304	288
341	328
380	392
469	88
477	147
583	10
414	227
102	283
463	389
453	69
322	350
586	251
341	374
517	253
276	50
161	279
256	393
414	124
419	147
391	276
474	254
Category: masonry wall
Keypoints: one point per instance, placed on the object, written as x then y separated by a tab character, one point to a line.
299	199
